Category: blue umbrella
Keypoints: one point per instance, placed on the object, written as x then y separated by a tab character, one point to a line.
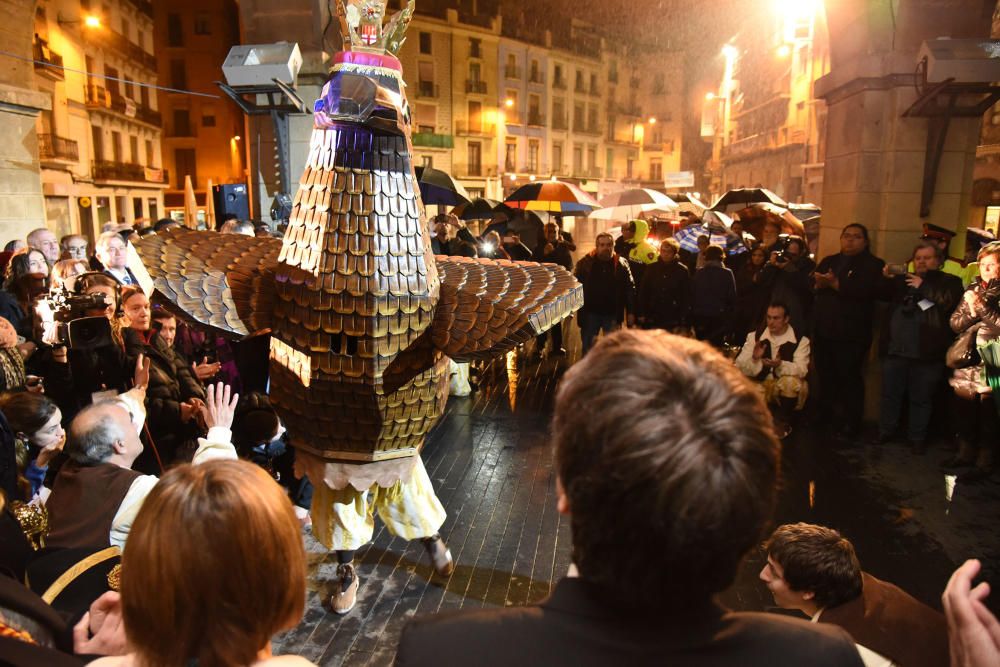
715	227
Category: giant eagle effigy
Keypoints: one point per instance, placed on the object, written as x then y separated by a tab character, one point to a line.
362	316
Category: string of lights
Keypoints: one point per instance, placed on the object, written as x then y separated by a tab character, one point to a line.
105	76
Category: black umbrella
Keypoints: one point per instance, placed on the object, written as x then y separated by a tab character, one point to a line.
477	209
438	187
740	198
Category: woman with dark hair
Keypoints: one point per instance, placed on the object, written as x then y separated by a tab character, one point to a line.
38	436
174	397
846	287
752	294
975	407
203	533
25	278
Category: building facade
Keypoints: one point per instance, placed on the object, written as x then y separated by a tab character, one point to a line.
99	144
769	129
203	130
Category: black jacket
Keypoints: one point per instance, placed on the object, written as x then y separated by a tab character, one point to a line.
665	295
713	291
608	288
171	382
573	628
560	255
847	313
791	286
931	323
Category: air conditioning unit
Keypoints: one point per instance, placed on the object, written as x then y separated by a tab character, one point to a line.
260	64
964	60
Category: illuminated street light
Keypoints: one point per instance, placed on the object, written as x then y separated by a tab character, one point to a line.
90	20
709	96
513	177
784	51
729	52
237	138
509	102
531	178
652	120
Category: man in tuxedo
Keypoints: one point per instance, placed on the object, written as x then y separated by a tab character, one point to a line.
112	252
666	467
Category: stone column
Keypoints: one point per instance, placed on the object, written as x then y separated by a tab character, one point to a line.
875	157
22	205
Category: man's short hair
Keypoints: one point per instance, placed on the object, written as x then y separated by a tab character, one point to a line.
104	239
159	314
818	559
672	242
34	233
92	434
779	304
604	235
667	456
924	244
714	253
64	241
244	227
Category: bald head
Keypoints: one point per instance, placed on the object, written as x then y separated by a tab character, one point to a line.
103	433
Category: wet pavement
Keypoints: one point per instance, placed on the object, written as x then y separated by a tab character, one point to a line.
491	463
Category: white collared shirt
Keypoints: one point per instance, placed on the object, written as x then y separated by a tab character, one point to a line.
868	656
797	367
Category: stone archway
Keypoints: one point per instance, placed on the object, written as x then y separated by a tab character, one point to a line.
22	206
875	156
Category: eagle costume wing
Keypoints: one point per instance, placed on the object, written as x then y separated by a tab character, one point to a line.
224	281
488	307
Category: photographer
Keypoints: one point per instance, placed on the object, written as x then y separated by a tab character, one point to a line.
914	340
553	250
463	244
100	362
786	277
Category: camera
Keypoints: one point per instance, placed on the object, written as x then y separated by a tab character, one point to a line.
66	320
781	247
896	269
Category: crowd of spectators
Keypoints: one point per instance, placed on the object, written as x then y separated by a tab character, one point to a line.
121	426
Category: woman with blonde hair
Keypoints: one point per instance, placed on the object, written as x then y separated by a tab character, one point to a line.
214	567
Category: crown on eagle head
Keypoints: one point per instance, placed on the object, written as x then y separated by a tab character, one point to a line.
362	29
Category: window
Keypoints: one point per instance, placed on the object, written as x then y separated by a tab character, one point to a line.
533	155
144	96
111	82
208	116
512	111
593	83
178	75
182	123
558	113
140	39
126	29
578	117
133	145
577	159
427	161
557	165
149	153
97	136
475	72
425	79
534	114
609	163
425	118
203	23
557	76
592	119
185	165
510	156
579	81
475	48
475	116
425	42
655	170
175	32
116	146
535	75
592	159
475	158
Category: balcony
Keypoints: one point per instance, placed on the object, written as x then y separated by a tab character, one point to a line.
478	87
512	72
475	170
143	6
428	89
431	140
559	83
536	119
624	109
99	98
53	62
106	170
580	87
612	76
536	77
560	123
590	128
108	38
470	129
595	91
52	147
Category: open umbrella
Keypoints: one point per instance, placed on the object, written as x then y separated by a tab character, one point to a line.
439	187
739	198
804	211
479	208
754	218
715	226
552	196
627	204
688	202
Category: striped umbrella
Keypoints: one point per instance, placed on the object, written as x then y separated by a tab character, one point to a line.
627	204
552	196
715	227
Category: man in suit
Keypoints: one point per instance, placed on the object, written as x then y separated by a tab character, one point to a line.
814	569
112	252
666	467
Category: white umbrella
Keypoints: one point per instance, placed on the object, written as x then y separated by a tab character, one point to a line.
626	204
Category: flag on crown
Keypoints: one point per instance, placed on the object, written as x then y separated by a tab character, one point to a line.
362	28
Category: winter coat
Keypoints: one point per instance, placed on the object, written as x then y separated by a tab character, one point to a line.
665	296
847	313
792	286
608	288
944	291
972	380
171	382
713	291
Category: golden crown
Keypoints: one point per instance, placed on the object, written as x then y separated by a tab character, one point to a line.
361	26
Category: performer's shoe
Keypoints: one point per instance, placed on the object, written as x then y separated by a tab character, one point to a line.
343	600
440	555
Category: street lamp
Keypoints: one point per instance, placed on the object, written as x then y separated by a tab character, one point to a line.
652	120
729	52
509	103
784	51
90	20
